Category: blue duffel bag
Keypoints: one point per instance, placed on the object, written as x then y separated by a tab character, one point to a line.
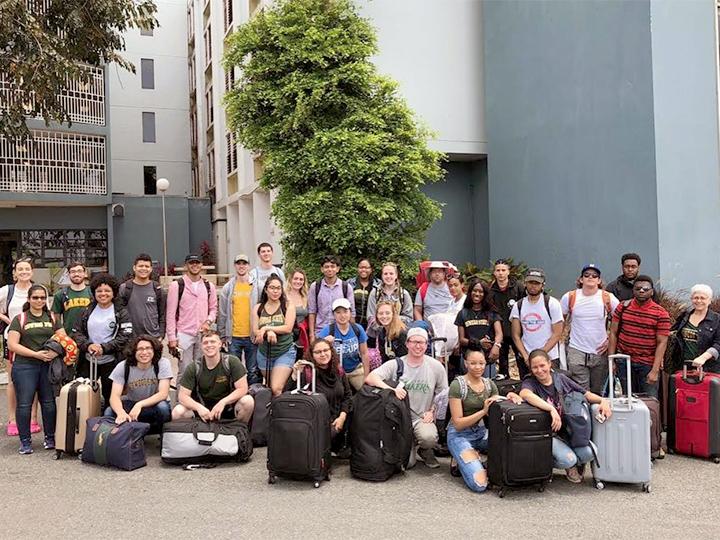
121	446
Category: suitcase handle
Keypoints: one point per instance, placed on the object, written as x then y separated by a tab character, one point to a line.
299	376
92	359
611	387
698	371
205	442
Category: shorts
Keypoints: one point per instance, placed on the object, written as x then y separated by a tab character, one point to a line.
286	359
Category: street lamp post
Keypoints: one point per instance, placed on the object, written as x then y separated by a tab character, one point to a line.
162	186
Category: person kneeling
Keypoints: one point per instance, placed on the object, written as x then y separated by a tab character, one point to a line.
140	385
470	397
215	386
540	389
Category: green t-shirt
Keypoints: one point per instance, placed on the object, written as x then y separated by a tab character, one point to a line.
690	337
214	383
474	401
71	306
35	332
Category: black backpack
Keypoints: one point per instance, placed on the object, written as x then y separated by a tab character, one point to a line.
181	290
546	299
381	432
343	284
10	294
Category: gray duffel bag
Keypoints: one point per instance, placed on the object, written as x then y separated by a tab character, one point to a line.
190	441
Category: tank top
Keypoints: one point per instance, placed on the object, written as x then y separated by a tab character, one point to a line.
284	341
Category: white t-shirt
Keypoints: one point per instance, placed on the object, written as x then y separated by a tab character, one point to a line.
537	323
437	300
101	329
588	328
20	296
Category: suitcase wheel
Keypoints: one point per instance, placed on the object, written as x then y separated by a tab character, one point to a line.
646	488
716	459
316	484
58	454
272	479
599	485
501	493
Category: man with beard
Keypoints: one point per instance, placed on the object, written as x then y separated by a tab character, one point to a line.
144	299
70	302
622	287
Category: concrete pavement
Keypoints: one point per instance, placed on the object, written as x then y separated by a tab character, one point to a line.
44	498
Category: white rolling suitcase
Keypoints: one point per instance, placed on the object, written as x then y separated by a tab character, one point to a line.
623	440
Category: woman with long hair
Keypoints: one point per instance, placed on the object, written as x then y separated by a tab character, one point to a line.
392	332
390	290
272	322
478	321
296	290
12	299
28	332
141	384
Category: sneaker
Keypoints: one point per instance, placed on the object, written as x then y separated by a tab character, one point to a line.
12	429
49	443
573	475
454	469
427	455
25	448
661	454
35	427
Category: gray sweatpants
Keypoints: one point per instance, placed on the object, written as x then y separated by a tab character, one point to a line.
589	370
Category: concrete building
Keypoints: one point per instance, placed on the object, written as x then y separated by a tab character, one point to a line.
575	131
87	191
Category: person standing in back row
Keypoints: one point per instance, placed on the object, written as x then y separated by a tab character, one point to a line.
433	296
144	299
504	292
324	292
587	309
622	287
363	285
191	310
260	273
70	302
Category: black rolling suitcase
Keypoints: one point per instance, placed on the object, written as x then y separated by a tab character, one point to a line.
506	385
381	432
261	393
299	435
520	446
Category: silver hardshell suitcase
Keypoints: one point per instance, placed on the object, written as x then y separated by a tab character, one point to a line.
623	440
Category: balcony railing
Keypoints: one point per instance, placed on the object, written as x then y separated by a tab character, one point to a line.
54	162
84	101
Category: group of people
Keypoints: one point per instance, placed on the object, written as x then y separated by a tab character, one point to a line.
354	332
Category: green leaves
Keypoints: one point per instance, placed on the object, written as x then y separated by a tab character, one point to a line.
43	48
341	147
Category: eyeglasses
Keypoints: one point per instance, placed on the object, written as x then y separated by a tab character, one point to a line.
590	275
321	351
642	289
38	298
148	348
417	342
274	288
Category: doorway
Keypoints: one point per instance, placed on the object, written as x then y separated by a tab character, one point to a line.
9	241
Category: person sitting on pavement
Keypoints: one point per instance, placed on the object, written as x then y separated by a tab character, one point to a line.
215	386
141	384
469	398
698	332
540	389
330	381
393	332
273	319
350	341
423	378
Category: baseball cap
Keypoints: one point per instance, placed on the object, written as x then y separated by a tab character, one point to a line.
535	274
341	303
591	266
242	258
193	257
417	332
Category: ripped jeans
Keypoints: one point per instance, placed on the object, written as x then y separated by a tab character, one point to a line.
459	442
565	457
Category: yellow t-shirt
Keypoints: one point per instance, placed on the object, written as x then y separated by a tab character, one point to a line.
241	309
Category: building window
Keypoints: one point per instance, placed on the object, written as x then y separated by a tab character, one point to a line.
147	73
228	14
59	247
211	168
148	127
231	152
229	79
209	107
149	179
207	36
192	72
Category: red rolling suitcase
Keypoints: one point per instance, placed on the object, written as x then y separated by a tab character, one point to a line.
694	426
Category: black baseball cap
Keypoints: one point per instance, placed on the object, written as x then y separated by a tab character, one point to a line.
193	257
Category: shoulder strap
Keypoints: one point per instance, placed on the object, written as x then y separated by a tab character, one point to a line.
463	386
181	290
127	372
424	290
198	368
317	291
400	369
355	328
331	330
519	305
344	285
546	297
571	301
10	293
65	296
158	297
607	303
620	313
23	320
207	288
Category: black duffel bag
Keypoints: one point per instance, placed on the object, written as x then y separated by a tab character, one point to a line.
190	441
121	446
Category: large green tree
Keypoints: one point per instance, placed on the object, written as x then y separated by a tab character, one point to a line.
45	43
339	144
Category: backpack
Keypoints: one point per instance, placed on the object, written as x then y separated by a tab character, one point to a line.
423	290
605	299
401	297
546	298
575	416
353	326
181	290
127	293
10	293
464	385
318	283
224	362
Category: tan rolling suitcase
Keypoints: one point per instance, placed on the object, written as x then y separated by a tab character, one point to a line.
78	401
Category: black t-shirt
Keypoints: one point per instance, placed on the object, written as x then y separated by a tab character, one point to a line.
477	324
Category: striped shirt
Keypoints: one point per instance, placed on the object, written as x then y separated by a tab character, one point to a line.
639	328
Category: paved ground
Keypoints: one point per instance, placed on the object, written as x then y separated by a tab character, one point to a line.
44	498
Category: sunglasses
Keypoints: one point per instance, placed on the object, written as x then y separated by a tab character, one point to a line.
642	289
591	275
38	298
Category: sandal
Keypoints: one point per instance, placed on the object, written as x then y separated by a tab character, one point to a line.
12	429
35	427
454	469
